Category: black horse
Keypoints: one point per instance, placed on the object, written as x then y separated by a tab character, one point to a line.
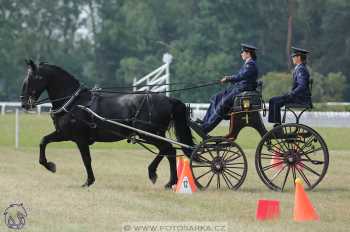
153	113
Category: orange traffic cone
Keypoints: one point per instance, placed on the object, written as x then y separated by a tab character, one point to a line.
303	209
185	183
267	210
179	166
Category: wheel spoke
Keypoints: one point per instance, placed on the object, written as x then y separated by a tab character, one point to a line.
205	159
294	174
212	156
233	165
277	173
309	169
203	175
225	153
218	181
233	159
279	149
308	142
201	166
232	172
211	178
272	166
302	174
285	178
280	141
312	151
276	157
227	180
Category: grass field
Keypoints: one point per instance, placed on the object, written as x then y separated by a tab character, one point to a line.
34	127
122	192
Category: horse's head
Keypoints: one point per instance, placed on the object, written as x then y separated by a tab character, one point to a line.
33	85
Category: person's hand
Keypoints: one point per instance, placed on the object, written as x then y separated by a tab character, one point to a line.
224	80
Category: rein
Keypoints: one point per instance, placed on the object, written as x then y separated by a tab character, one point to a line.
154	85
150	92
102	90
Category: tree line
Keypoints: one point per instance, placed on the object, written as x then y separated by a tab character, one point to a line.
109	42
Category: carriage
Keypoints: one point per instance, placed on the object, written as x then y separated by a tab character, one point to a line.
85	115
286	152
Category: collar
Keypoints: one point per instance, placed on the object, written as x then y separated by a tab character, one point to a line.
297	66
247	60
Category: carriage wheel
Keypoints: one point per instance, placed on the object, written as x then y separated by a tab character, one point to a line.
290	151
218	162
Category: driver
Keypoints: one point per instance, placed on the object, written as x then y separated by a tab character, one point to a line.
220	104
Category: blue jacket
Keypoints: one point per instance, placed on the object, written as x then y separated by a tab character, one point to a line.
247	77
301	81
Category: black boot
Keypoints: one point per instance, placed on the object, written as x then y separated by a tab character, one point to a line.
198	129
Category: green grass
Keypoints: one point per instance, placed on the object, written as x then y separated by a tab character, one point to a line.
34	127
122	193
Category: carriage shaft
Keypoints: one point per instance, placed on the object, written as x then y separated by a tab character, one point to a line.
133	128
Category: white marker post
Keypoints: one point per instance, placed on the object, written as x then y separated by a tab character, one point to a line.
17	129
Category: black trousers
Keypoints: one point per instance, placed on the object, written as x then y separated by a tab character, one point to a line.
275	105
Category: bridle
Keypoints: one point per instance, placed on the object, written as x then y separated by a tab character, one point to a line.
31	102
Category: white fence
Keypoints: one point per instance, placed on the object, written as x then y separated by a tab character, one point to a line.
313	119
158	80
11	106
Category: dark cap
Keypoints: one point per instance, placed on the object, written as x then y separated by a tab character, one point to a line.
247	48
298	52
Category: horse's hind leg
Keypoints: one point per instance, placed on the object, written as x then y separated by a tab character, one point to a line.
53	137
171	156
152	168
165	149
85	155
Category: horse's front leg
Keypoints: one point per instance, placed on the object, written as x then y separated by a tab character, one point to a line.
85	155
53	137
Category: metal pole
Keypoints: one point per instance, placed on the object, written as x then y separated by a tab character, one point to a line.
167	80
133	128
17	129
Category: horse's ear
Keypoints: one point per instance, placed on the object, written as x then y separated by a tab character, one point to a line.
31	64
26	61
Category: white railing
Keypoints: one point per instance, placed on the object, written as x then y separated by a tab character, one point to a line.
18	105
158	78
314	119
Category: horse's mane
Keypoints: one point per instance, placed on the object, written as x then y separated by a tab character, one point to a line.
58	69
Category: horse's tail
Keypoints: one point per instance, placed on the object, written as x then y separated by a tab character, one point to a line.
182	130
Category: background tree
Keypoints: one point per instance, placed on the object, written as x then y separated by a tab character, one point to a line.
110	42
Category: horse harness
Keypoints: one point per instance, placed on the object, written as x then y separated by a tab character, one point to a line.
91	122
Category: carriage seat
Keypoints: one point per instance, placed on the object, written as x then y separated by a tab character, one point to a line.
247	101
291	106
299	106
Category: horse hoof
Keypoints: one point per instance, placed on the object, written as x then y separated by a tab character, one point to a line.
51	167
153	177
168	186
88	183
